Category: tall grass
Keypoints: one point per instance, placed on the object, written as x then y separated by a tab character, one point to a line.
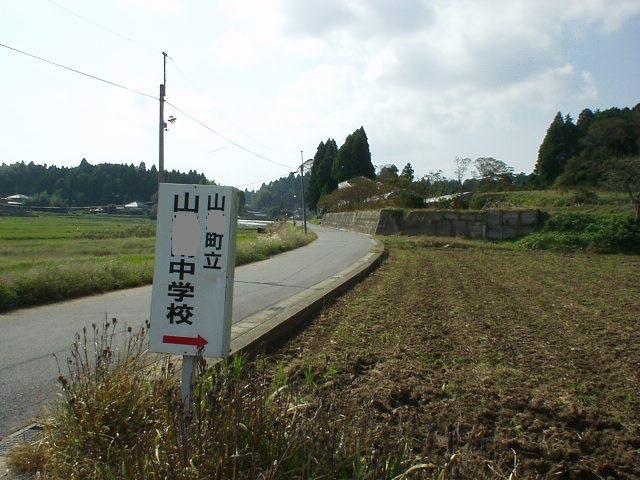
278	238
121	416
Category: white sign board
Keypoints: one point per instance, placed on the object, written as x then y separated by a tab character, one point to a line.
193	273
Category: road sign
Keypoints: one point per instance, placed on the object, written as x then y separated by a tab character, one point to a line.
194	266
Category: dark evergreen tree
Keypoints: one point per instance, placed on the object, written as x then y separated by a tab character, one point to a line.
354	158
362	155
559	145
342	166
584	120
325	177
315	188
407	174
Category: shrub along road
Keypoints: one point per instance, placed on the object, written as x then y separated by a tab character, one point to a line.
30	337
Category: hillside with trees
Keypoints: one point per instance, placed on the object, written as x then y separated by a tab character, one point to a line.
600	151
585	153
278	199
330	165
87	184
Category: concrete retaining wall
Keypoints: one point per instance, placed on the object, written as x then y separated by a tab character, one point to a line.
363	221
489	224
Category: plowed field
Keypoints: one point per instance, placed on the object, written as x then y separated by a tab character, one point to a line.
489	362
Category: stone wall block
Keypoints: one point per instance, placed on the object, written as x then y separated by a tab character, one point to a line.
494	218
509	232
529	218
476	230
510	219
460	228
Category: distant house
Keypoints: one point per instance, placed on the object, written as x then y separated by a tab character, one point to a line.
255	213
445	198
136	207
16	200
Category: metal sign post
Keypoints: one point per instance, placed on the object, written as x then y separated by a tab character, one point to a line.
192	290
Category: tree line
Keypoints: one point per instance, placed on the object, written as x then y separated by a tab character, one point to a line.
587	152
330	166
87	184
278	198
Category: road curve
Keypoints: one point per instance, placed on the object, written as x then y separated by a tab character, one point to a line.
30	337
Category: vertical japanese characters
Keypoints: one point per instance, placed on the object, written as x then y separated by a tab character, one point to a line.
183	262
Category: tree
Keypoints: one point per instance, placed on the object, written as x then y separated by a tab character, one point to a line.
315	189
461	167
433	184
362	155
559	145
407	174
388	174
87	184
584	120
489	169
354	158
610	135
624	174
326	181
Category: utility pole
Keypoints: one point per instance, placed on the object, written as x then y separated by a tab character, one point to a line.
304	210
163	125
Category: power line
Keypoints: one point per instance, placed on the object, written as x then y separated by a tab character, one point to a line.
51	62
113	32
132	40
184	75
226	138
197	90
124	87
268	180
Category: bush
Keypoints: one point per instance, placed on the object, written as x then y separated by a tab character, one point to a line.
585	197
477	202
602	233
408	199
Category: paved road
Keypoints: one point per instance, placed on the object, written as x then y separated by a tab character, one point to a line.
29	337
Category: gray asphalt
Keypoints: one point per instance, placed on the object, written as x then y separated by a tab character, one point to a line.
30	337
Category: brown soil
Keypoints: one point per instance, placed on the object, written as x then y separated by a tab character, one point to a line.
489	362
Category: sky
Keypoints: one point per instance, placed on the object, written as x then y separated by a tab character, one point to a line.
428	80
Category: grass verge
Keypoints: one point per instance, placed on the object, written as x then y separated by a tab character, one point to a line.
52	258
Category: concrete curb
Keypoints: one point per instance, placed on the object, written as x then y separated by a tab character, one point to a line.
279	322
261	331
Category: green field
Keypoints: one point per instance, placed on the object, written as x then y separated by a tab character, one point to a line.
558	201
49	258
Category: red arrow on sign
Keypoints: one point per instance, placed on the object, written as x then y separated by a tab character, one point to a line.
195	341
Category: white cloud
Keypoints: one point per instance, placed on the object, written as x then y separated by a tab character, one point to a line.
428	79
167	6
